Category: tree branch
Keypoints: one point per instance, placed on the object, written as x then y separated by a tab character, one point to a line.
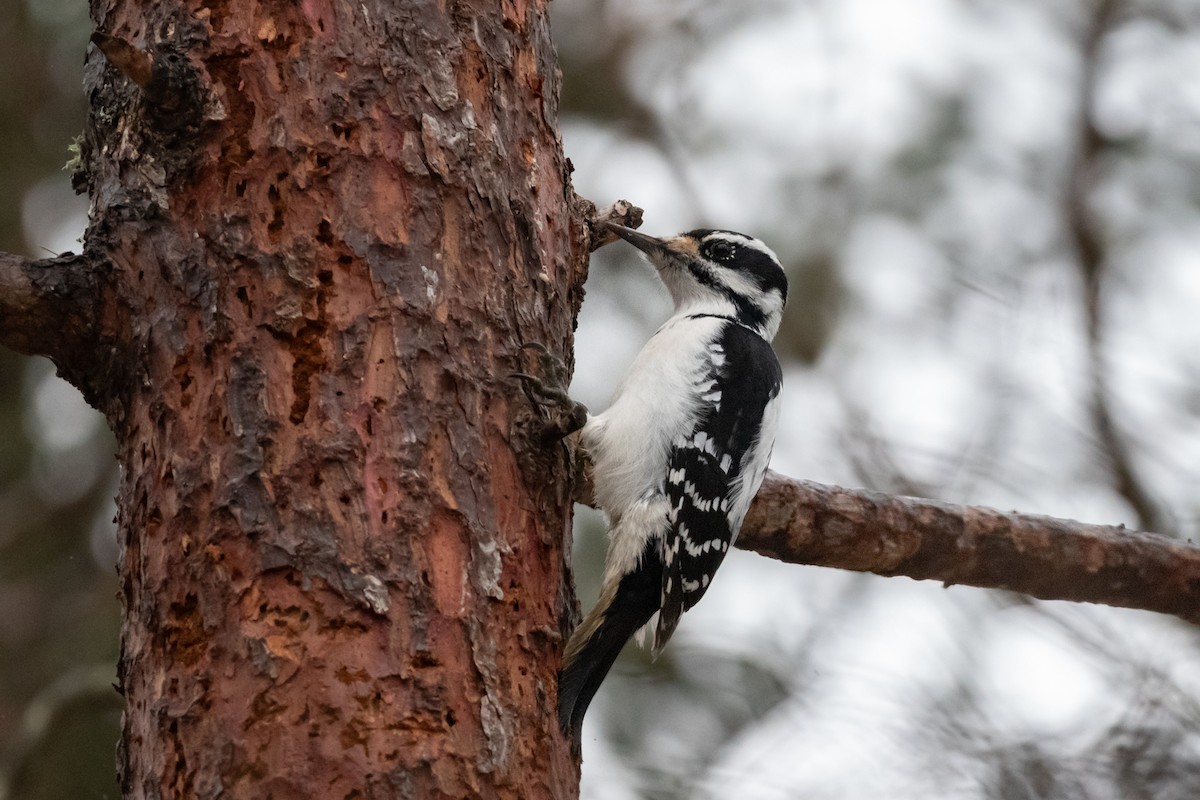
30	301
1053	559
58	307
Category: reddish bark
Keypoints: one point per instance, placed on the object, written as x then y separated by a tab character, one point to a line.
330	227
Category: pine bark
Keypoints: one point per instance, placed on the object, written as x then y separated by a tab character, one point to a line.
326	229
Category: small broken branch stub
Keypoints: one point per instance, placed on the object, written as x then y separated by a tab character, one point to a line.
60	308
168	81
622	213
129	59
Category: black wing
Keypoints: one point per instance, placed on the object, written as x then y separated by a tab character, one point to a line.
714	472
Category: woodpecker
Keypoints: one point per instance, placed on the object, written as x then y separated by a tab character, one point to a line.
683	447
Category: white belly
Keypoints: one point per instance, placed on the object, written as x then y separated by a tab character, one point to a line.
654	405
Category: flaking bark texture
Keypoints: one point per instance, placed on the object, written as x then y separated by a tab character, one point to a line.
331	226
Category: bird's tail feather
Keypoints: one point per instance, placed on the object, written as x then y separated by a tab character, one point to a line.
596	643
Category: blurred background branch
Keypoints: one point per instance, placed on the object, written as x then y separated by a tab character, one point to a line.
1088	241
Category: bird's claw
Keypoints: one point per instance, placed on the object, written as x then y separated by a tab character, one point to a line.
539	391
549	393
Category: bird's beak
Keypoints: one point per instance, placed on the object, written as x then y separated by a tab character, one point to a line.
647	244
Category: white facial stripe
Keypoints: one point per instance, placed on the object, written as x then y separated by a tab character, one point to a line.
739	282
742	240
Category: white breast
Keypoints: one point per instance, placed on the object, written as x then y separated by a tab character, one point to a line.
654	404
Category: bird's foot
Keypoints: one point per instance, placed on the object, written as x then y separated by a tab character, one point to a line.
562	416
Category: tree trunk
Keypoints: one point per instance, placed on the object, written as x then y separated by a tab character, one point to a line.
324	230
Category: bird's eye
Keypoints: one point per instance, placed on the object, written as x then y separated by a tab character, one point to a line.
720	251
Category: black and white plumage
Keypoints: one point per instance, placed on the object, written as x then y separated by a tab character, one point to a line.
681	451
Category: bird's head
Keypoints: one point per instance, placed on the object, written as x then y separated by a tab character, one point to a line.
718	272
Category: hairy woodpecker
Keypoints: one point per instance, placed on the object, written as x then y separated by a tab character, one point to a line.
682	449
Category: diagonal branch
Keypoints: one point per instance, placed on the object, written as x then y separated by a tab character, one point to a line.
1053	559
